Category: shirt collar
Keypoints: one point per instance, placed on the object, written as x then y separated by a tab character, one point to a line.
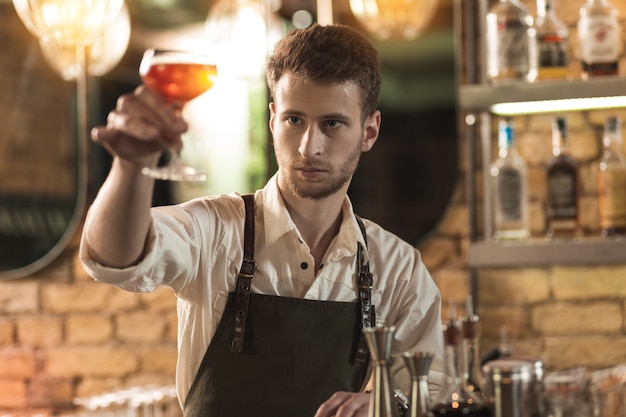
276	218
278	222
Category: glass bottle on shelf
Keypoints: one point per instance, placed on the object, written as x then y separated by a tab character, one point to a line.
612	180
509	184
552	43
510	43
454	399
563	182
599	38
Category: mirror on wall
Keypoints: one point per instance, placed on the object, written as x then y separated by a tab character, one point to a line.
41	182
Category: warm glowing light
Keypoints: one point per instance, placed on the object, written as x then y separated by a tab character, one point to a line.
394	19
301	19
102	55
242	33
551	106
221	149
68	22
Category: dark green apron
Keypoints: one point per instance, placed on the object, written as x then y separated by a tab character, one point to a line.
296	354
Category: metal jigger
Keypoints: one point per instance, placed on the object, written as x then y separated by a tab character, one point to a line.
418	364
382	403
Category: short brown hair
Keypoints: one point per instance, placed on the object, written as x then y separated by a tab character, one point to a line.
329	54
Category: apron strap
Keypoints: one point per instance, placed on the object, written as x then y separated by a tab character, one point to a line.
246	273
365	284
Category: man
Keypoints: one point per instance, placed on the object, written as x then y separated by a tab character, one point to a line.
273	291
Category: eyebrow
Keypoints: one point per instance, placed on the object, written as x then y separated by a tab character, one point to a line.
330	116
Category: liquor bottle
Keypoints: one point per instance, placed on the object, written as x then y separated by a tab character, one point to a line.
552	43
454	399
563	183
510	42
473	377
612	181
509	184
600	38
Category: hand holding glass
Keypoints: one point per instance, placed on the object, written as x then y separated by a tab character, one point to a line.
180	77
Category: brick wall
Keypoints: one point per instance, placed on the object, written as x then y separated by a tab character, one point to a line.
62	335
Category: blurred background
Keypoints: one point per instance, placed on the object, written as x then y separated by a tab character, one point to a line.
63	336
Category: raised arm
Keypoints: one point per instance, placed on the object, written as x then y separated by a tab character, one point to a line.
137	131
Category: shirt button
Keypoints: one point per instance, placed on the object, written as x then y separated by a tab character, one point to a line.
304	265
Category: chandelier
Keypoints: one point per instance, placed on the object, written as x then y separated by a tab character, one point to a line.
71	22
394	19
78	36
101	55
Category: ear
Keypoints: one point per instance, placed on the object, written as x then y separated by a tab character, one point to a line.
372	128
272	116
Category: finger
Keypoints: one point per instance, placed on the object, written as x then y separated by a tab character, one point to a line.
328	408
142	108
98	133
169	114
125	147
356	405
105	136
143	130
133	125
146	116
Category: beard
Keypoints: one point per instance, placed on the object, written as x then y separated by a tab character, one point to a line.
323	189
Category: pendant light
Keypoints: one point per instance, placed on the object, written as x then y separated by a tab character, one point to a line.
394	19
70	22
102	54
242	33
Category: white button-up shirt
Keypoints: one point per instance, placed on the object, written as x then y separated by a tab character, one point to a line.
196	248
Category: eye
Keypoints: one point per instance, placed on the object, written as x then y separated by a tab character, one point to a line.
333	123
294	120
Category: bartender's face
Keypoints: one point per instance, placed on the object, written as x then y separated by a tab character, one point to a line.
318	135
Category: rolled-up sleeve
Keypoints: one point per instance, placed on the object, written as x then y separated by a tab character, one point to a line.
170	255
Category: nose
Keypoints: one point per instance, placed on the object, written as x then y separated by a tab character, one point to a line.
311	143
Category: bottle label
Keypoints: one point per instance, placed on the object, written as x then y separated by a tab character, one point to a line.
562	195
509	195
599	38
612	201
552	50
508	48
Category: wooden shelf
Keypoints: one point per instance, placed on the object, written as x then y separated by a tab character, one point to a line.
483	97
542	252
